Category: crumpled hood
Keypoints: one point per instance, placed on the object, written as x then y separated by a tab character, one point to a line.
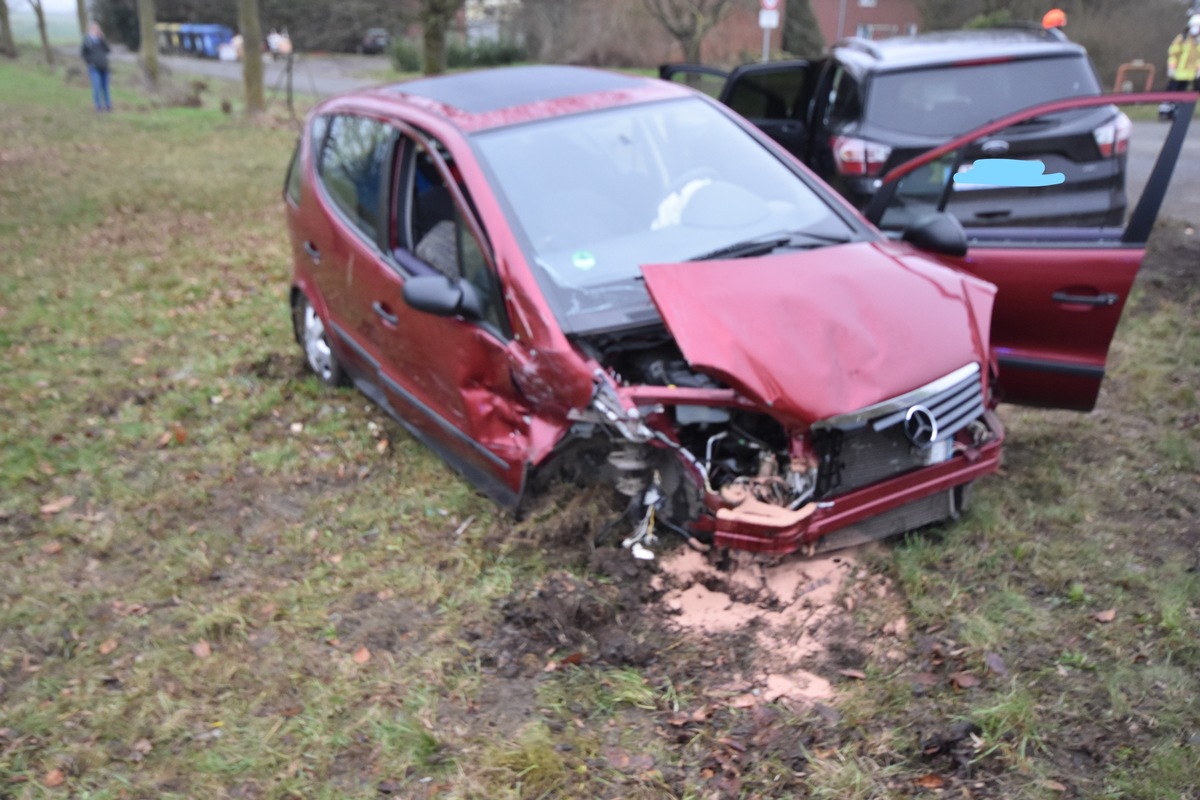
817	333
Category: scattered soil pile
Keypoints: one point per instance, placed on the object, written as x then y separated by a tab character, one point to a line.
795	612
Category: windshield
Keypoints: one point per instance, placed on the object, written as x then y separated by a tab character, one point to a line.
949	100
597	195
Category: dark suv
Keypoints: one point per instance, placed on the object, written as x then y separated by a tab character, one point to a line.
870	105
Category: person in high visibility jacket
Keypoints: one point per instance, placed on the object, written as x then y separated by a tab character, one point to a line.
1183	61
1053	22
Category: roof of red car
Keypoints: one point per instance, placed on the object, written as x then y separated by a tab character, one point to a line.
494	98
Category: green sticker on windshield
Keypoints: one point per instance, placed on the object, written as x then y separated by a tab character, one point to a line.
582	259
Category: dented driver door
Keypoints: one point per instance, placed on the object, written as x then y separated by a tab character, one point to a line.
1061	287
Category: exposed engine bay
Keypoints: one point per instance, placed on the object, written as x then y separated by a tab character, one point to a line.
691	466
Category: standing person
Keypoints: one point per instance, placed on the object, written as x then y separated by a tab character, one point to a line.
1183	58
95	54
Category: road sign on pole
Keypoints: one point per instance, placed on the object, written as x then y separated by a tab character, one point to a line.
768	20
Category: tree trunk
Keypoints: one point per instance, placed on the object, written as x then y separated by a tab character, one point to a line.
40	13
252	61
148	52
801	33
436	17
82	12
7	46
688	21
433	45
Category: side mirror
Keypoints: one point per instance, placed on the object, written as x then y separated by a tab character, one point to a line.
442	297
939	233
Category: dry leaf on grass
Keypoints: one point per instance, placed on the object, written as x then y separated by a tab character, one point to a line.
362	655
995	663
930	781
58	506
926	679
964	680
54	778
52	548
202	649
1108	615
857	674
108	646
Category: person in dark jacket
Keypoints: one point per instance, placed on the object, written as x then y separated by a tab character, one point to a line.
95	54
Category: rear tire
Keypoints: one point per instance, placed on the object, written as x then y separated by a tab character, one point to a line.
313	339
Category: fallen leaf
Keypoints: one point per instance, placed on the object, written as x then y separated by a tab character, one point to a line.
180	433
138	361
1108	615
57	506
995	663
165	439
746	700
54	778
857	674
202	649
575	659
618	758
143	746
52	548
108	646
362	655
926	679
336	558
930	781
381	446
964	680
1054	785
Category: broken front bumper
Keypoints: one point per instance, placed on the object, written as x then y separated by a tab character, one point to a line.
885	508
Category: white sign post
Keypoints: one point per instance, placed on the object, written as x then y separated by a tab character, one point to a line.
768	20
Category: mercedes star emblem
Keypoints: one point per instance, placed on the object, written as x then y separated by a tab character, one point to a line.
920	426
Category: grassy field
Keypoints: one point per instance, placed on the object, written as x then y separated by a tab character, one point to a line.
221	580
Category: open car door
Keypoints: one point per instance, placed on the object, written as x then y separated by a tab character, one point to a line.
774	96
1061	286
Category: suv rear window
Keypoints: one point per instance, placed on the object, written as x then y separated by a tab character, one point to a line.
948	100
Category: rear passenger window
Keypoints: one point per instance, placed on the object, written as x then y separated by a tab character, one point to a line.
352	169
844	103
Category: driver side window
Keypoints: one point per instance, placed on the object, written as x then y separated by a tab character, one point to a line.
433	232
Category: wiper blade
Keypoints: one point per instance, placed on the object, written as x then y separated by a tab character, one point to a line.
761	245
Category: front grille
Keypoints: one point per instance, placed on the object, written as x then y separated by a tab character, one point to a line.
870	445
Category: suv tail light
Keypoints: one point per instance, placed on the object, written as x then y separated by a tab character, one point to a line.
855	156
1113	138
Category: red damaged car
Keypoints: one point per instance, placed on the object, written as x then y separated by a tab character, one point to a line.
547	271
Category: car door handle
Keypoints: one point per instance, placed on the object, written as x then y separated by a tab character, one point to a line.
313	252
384	313
1102	299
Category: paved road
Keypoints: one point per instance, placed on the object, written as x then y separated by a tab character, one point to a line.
323	76
318	76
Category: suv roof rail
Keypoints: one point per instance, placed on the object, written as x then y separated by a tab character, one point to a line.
859	43
1032	27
